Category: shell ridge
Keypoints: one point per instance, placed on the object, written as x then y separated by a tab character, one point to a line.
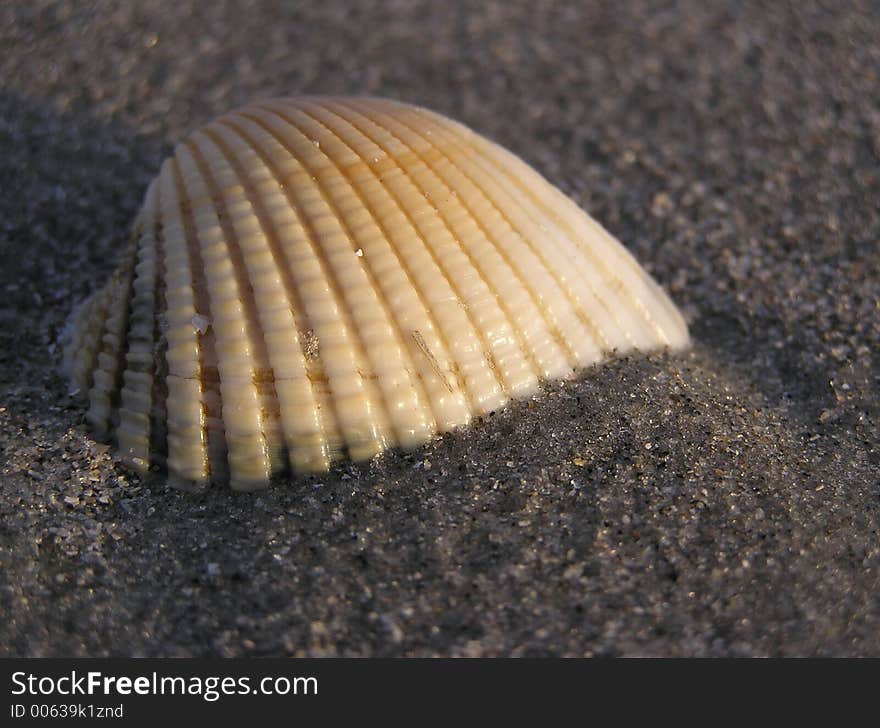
444	273
642	277
158	433
654	289
638	272
522	349
72	340
372	401
291	301
104	392
136	396
431	317
544	210
523	235
82	336
563	199
268	416
436	327
204	346
325	418
329	416
86	336
487	360
528	348
416	384
596	330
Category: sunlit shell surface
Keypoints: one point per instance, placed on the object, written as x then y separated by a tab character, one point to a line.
318	277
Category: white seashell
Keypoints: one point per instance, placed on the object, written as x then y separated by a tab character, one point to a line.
313	277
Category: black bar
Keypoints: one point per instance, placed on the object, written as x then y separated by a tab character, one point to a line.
149	690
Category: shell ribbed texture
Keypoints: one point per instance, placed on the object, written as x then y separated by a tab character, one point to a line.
318	277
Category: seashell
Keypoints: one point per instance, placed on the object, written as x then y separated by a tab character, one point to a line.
316	277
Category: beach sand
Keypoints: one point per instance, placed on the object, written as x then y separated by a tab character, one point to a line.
721	502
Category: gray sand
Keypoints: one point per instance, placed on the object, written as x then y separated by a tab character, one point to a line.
722	502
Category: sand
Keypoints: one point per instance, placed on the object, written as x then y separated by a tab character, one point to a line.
721	502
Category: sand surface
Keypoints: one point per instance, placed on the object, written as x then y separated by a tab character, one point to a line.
722	502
